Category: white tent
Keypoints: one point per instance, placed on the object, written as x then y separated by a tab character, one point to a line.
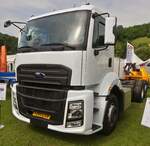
131	57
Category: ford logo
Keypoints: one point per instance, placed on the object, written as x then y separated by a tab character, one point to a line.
39	75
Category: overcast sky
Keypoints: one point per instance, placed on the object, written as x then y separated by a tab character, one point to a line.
128	12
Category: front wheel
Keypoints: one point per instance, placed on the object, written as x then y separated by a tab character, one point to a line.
111	115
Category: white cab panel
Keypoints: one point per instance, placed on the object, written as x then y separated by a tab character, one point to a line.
71	59
96	67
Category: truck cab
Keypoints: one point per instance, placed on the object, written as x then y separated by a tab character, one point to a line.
64	70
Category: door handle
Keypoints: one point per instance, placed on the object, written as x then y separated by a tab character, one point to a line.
110	62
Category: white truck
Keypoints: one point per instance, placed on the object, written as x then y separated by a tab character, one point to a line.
64	69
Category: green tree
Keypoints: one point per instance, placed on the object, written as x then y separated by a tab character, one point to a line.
10	42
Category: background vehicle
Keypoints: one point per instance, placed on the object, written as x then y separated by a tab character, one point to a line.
147	65
65	77
136	75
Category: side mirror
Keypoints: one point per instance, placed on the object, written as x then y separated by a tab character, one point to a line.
7	23
110	26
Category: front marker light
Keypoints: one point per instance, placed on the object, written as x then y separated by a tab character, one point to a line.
75	114
74	124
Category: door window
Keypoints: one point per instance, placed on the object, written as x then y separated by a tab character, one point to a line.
99	32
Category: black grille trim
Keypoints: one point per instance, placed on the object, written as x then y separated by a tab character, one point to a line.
54	74
49	101
44	95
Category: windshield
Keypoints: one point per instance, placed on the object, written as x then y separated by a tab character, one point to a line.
67	30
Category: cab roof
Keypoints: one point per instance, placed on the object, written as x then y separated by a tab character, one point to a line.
83	7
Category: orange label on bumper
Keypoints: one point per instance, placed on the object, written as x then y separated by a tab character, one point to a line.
41	115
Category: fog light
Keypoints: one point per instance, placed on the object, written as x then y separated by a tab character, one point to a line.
74	124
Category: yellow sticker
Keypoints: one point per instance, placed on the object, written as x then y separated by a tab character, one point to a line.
41	115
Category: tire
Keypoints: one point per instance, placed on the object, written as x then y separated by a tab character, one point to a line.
139	91
111	115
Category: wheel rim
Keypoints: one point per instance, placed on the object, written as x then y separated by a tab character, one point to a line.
145	87
112	114
142	94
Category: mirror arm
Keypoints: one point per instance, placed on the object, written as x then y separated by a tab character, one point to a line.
13	23
96	14
96	51
105	14
17	26
8	23
20	22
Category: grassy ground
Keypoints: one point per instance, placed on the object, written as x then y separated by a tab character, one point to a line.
129	132
142	47
140	41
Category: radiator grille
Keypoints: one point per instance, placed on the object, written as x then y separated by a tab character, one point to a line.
43	94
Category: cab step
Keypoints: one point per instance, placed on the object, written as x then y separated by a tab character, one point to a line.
95	127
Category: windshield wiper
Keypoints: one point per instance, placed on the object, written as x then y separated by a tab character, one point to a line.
50	47
64	45
26	49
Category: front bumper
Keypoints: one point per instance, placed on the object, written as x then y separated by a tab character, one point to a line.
73	95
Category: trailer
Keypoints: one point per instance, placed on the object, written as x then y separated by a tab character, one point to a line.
135	75
146	64
65	72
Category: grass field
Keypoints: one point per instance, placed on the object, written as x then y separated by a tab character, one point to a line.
129	132
142	47
140	41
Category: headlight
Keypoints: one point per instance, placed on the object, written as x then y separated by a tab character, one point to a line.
75	114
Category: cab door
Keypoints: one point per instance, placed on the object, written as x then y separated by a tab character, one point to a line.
99	56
